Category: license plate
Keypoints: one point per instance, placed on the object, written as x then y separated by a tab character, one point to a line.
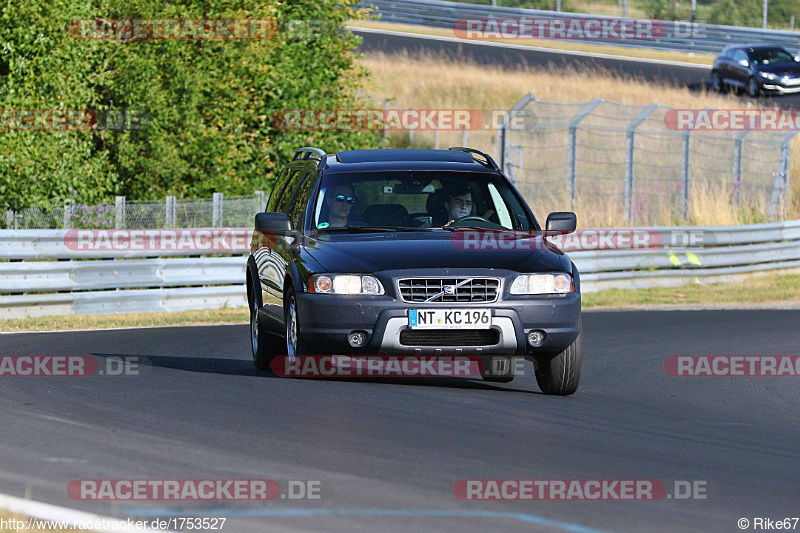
450	318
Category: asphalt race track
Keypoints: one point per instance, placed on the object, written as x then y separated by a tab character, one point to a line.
389	452
667	73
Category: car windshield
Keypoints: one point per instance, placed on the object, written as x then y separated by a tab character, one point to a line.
417	200
770	56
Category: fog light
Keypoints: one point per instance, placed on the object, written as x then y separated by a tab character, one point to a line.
536	338
357	339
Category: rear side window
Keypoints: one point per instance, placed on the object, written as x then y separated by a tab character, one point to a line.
297	174
298	208
280	186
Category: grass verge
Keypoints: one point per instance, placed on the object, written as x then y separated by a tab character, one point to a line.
572	46
762	289
206	317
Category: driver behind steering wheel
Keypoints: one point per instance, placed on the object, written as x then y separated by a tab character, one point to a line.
459	202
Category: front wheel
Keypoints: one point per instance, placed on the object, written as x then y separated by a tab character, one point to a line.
753	88
294	345
716	82
560	374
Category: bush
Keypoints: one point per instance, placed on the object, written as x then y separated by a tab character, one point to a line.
208	104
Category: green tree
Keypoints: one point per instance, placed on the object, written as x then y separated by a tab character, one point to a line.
208	104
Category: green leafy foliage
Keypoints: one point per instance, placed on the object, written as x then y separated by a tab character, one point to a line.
206	106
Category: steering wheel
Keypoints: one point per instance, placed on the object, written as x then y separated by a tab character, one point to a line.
473	220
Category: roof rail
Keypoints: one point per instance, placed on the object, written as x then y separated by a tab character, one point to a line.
489	161
308	152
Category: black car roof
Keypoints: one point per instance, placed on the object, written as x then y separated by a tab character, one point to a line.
404	159
753	47
397	154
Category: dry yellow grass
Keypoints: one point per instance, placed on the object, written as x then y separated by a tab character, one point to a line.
205	317
430	83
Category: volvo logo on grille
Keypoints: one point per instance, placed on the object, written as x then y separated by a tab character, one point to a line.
449	289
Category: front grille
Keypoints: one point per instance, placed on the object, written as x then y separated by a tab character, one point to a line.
470	290
449	337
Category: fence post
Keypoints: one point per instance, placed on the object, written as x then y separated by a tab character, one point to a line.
630	145
502	128
385	114
216	210
781	187
170	210
501	145
464	137
119	212
69	209
411	129
10	222
737	164
685	179
571	147
260	201
436	134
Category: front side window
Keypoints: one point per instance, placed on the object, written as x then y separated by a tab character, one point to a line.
770	56
418	199
739	55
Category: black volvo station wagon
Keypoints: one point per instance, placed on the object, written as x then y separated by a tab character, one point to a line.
427	252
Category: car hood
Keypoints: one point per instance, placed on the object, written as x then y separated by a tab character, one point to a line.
376	252
781	69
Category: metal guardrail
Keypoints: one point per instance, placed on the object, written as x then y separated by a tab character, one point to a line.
136	285
679	36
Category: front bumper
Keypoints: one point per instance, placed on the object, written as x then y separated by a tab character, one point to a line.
779	87
326	320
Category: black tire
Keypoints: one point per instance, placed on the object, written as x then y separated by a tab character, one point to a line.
717	84
753	88
560	374
294	344
499	369
263	345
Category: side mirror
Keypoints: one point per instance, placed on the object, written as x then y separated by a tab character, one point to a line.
562	222
797	58
276	223
744	62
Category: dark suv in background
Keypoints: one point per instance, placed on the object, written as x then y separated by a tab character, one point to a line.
757	69
374	252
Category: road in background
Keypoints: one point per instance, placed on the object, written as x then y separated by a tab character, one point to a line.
388	453
513	56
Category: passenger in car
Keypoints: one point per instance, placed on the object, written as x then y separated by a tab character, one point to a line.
459	201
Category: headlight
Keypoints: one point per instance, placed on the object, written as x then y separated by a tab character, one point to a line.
344	284
542	284
768	75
